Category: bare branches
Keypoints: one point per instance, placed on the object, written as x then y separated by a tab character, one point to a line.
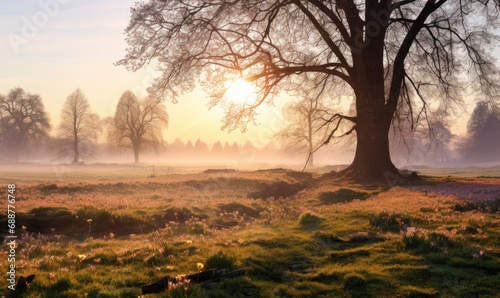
232	38
401	3
77	131
448	56
137	124
23	122
400	56
399	61
324	34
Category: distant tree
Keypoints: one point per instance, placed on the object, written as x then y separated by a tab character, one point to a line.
137	124
271	149
306	130
235	147
424	143
217	149
178	145
200	147
440	142
176	149
188	151
230	151
482	143
23	123
248	151
78	128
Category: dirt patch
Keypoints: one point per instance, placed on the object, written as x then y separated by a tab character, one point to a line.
47	187
242	210
342	195
87	221
47	220
119	187
221	183
277	190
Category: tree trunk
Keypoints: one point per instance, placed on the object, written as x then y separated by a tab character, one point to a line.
136	155
310	164
310	140
137	148
372	161
76	155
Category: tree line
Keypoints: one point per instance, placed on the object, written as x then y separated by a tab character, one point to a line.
138	124
24	126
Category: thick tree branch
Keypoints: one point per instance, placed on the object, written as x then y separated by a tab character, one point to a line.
399	61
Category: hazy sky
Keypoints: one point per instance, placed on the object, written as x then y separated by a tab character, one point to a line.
76	46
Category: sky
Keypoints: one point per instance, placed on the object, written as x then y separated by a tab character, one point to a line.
53	47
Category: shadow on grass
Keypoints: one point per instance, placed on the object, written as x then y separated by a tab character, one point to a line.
342	195
277	190
88	221
309	221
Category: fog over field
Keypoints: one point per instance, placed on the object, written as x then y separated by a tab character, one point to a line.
235	148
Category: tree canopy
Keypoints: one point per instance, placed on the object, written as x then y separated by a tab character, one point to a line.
137	124
482	143
305	131
394	59
23	122
78	127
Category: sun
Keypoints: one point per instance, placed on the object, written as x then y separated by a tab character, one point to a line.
240	91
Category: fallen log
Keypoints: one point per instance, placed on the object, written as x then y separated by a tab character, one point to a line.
163	284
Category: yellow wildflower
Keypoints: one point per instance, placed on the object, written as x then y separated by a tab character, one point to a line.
200	266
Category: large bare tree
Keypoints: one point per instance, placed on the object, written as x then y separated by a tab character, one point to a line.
137	124
23	123
78	128
388	55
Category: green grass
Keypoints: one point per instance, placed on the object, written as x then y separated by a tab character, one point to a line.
290	247
221	260
390	222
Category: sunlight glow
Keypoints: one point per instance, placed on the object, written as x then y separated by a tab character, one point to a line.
241	92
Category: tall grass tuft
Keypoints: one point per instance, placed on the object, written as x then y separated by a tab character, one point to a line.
221	260
421	243
390	222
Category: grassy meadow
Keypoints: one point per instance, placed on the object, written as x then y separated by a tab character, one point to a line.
105	230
